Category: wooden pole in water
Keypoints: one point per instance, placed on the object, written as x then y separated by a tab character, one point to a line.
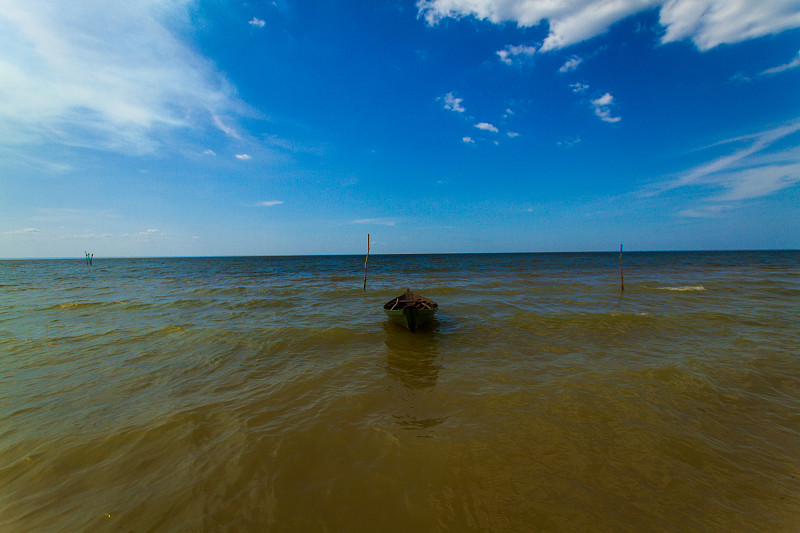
365	264
621	284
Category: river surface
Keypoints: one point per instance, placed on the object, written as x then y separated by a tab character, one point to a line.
271	394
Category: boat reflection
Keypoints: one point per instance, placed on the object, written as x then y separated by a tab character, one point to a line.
411	362
411	358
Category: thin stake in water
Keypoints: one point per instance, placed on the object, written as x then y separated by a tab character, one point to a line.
621	284
365	264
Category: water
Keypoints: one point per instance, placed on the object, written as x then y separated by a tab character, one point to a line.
271	394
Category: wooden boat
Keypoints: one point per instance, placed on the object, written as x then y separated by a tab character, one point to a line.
410	310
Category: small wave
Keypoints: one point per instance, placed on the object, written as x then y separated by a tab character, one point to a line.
262	303
189	304
687	288
175	327
219	290
122	305
77	305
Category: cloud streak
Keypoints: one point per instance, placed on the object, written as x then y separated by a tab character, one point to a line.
376	221
749	172
25	231
794	63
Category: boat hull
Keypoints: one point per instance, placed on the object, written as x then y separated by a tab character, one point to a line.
409	317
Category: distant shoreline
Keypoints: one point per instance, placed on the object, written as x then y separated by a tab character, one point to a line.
594	252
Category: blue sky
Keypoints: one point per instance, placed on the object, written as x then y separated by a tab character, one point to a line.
176	127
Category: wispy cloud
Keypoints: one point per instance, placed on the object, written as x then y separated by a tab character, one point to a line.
452	103
510	52
707	211
269	203
25	231
209	152
257	22
102	75
751	171
707	23
571	64
794	63
468	140
85	235
65	215
243	157
602	108
569	142
292	145
485	126
223	127
578	87
513	134
376	221
146	234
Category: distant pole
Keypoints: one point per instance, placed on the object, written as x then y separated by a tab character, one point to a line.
365	264
621	284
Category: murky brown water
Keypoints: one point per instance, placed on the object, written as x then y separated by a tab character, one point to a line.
270	394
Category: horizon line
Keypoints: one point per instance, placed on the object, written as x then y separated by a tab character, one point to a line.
688	250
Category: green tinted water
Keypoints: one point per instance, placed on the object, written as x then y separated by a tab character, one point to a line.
272	394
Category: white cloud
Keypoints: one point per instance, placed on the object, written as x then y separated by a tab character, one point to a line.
243	157
257	22
510	52
708	211
756	143
485	126
209	152
513	134
26	231
794	63
468	140
602	108
452	103
750	171
569	142
707	23
376	221
224	128
571	64
578	87
760	181
269	203
145	235
102	74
